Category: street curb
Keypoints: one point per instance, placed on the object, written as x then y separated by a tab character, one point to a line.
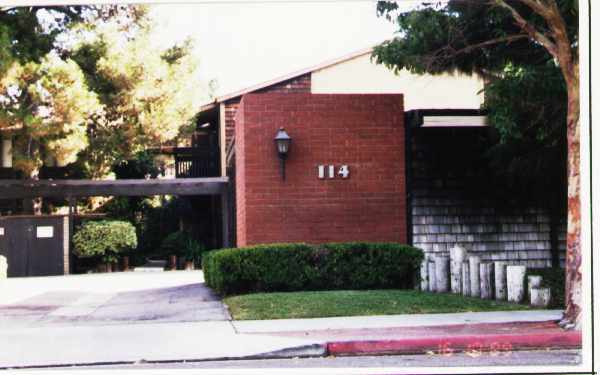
453	344
311	350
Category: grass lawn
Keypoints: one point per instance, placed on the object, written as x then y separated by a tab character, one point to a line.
355	302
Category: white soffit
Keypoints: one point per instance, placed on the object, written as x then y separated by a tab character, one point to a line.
454	121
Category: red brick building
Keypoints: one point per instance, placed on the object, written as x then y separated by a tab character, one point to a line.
393	134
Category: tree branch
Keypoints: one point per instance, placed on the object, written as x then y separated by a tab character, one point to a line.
530	29
503	39
449	52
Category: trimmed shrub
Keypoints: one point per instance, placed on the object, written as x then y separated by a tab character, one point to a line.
104	238
298	266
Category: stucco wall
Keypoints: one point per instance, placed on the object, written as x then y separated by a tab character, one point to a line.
361	76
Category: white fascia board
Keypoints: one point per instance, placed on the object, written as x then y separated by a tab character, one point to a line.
454	121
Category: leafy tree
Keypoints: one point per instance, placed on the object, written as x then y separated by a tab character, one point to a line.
503	41
149	96
80	84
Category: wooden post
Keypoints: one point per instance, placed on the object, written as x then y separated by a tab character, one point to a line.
442	279
431	273
466	279
173	262
540	297
225	218
457	256
7	152
3	267
533	282
474	262
486	277
515	283
500	280
424	274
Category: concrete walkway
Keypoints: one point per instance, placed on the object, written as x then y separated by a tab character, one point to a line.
105	299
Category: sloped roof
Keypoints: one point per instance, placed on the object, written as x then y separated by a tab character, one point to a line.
286	77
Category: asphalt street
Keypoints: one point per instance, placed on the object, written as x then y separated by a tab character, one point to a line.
517	358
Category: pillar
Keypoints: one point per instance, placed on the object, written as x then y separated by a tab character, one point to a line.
431	273
533	282
474	262
515	283
3	267
442	277
457	256
500	280
7	153
466	279
425	274
540	297
486	277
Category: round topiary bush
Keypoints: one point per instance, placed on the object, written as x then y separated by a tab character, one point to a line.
105	238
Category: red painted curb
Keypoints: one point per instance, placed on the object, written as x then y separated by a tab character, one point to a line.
454	344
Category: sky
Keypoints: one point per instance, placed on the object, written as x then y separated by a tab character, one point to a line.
244	44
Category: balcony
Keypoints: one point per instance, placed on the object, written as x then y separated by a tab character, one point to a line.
194	163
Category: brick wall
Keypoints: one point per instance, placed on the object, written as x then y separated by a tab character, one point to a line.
365	132
299	84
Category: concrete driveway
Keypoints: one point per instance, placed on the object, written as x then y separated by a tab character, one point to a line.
113	298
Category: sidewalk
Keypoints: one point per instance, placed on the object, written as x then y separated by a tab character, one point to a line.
128	343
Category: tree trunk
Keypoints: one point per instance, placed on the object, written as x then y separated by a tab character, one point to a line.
573	256
33	206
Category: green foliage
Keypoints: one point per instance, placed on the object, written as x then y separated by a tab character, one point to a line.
553	278
525	93
105	238
531	153
288	267
149	95
457	35
85	84
141	166
182	243
49	106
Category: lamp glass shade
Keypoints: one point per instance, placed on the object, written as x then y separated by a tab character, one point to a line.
282	141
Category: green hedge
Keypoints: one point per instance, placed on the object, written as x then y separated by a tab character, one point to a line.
298	266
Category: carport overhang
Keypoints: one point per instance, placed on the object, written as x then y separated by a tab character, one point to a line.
71	189
15	189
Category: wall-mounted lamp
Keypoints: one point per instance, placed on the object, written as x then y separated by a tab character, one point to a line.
282	143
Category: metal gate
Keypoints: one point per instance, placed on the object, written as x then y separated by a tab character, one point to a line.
35	245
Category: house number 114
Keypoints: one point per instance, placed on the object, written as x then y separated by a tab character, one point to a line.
329	171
